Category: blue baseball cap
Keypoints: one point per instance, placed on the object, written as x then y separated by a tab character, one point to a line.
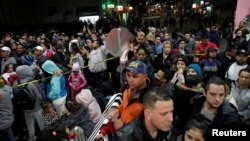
137	67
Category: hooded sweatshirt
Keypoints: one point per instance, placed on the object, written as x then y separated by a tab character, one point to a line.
56	88
82	119
86	98
25	74
6	112
76	81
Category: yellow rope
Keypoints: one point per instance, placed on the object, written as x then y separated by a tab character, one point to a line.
34	81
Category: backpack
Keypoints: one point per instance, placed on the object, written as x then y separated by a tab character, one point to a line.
24	99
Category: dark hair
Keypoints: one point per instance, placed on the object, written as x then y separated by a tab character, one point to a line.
74	47
244	70
157	35
47	106
155	94
59	46
56	133
228	83
192	80
215	80
7	66
46	44
166	73
73	106
231	47
98	41
182	40
87	48
199	123
143	47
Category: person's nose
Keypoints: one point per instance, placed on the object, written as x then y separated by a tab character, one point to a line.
217	98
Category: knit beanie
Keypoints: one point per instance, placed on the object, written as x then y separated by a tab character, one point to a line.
196	68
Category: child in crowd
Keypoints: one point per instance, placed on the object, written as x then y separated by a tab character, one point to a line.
181	64
86	99
229	96
49	114
78	116
10	74
196	129
59	132
76	81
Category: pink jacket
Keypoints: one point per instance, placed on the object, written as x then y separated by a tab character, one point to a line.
86	98
77	81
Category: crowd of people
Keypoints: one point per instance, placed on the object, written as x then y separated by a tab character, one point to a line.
173	88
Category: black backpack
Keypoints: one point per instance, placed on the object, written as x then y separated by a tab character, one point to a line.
23	99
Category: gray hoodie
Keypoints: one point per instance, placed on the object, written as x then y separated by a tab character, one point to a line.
6	109
25	74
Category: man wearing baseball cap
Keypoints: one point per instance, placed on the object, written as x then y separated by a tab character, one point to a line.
6	58
241	63
131	105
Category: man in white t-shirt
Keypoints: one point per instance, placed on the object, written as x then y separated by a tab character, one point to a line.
241	63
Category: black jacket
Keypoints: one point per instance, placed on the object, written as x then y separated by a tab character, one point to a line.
163	63
225	62
226	115
136	131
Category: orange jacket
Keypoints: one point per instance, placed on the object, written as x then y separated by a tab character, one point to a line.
132	111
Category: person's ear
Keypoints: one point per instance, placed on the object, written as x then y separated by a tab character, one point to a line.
204	93
147	114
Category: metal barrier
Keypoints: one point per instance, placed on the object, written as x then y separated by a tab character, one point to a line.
100	122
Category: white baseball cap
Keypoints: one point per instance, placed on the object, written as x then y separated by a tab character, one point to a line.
6	49
39	48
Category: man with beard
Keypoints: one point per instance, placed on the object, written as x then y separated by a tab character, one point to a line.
227	58
210	66
241	63
240	41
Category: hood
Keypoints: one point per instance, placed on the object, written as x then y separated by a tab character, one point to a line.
76	67
24	72
84	97
49	66
75	118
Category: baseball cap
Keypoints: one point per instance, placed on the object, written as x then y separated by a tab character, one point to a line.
241	51
137	67
181	58
6	49
39	48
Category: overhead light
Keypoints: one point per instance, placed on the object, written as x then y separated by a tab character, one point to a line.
130	8
111	6
194	5
209	8
119	8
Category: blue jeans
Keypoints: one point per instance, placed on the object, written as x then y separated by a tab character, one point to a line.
7	135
